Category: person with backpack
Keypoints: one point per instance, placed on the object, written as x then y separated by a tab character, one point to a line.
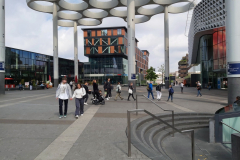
118	90
159	93
79	93
150	90
171	92
63	93
85	86
130	91
199	88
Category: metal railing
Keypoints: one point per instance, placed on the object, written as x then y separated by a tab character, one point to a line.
157	106
152	115
230	127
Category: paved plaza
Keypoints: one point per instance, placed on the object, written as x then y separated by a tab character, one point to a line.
30	128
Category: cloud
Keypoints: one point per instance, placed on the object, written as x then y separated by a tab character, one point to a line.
31	30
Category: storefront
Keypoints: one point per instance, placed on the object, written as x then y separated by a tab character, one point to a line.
212	57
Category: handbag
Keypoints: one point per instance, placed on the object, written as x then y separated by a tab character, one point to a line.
130	91
118	90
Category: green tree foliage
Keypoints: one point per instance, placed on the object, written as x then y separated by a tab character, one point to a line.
151	75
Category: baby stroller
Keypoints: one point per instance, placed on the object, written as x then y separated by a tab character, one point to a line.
99	99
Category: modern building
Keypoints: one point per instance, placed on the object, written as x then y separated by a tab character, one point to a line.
207	43
24	66
183	67
107	50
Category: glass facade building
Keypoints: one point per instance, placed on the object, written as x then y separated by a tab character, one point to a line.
108	55
25	66
212	57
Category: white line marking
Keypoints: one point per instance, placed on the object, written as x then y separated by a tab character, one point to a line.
179	107
9	104
59	148
12	99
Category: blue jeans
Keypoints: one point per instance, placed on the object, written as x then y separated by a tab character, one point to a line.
170	95
199	93
150	92
79	106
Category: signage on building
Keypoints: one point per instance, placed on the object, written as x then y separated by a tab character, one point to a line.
125	74
233	68
133	76
2	66
172	78
27	84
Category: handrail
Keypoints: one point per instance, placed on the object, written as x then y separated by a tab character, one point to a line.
230	127
174	129
157	106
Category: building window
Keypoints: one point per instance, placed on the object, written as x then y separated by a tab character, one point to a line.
104	32
89	42
104	41
119	31
96	42
89	33
93	50
114	41
105	49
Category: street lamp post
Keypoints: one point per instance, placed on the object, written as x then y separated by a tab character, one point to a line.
2	47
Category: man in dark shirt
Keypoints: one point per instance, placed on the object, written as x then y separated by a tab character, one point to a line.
108	89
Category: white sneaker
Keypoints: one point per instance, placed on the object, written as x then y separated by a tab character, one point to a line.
60	117
107	99
85	103
76	116
81	114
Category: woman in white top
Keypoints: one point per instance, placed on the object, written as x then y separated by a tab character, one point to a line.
79	93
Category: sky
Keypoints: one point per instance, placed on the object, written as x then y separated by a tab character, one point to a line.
32	31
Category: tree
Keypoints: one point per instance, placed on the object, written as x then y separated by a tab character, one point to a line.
151	75
162	70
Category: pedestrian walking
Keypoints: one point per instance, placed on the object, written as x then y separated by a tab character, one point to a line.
71	84
209	86
181	87
105	88
199	88
87	92
150	91
95	89
74	85
63	93
79	93
159	93
130	91
30	85
171	92
20	86
108	89
118	90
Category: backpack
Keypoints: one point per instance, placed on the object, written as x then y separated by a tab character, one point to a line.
148	87
171	90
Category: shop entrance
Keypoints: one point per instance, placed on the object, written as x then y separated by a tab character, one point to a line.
222	83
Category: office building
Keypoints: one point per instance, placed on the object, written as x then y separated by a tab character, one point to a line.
207	43
107	51
24	66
